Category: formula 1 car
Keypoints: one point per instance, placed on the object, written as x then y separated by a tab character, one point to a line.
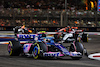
22	30
39	46
70	35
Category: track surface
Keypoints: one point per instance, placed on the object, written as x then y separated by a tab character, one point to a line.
19	61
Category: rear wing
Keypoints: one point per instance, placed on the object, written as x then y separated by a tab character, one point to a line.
4	39
26	36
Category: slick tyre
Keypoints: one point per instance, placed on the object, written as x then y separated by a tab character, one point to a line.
43	46
84	37
35	50
79	47
14	48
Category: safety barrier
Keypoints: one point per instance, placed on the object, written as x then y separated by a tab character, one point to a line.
51	29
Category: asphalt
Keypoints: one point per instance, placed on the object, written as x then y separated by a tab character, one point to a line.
93	46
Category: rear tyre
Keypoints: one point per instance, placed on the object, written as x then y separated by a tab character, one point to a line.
84	37
14	48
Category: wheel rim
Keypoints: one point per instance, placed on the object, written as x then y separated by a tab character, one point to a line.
10	47
36	51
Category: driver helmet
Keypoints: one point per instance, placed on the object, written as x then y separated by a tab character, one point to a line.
23	27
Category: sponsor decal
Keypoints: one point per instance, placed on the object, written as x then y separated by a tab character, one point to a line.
52	54
26	47
26	36
63	49
57	44
75	54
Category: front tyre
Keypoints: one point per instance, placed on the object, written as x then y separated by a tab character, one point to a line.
36	50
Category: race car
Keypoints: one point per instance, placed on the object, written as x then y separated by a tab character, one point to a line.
71	34
43	47
22	30
69	37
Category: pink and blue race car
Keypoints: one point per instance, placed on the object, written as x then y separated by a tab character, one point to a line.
38	46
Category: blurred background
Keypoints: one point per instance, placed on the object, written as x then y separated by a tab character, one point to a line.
49	13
